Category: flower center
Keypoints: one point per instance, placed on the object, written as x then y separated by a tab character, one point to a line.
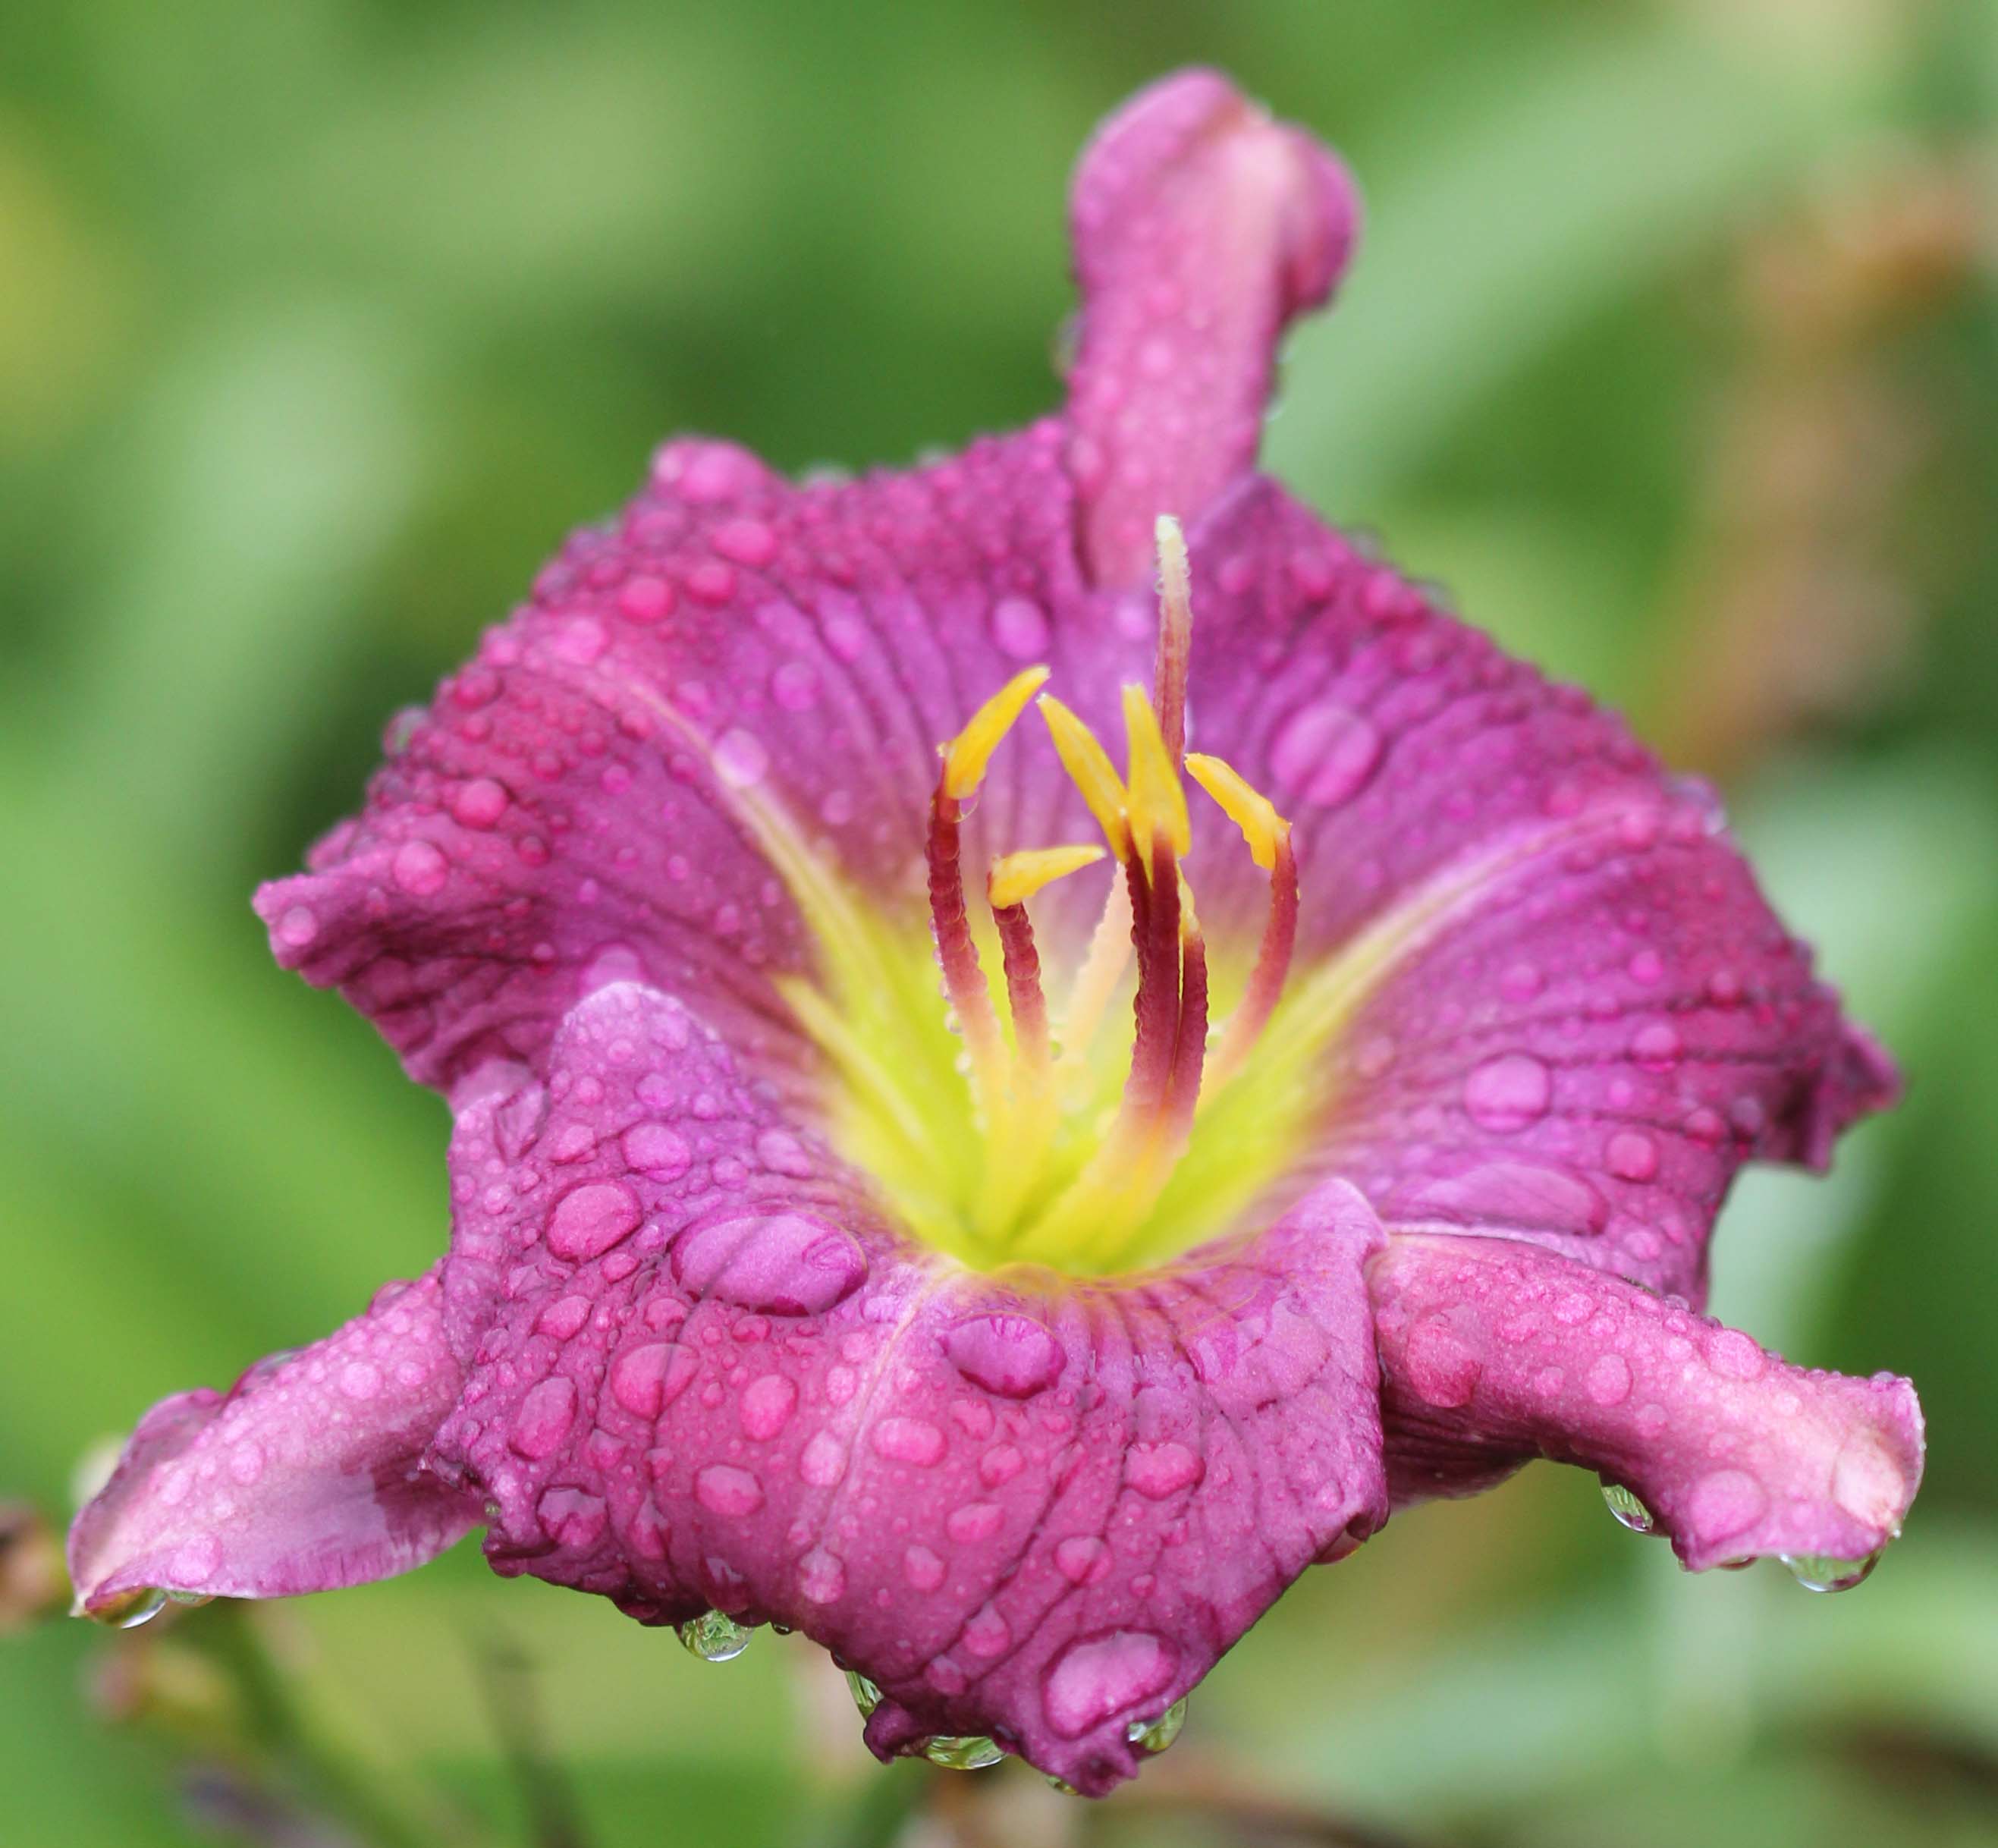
1037	1132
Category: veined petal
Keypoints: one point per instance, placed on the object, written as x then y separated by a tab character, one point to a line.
1201	228
710	1377
307	1475
738	686
1494	1351
1563	1010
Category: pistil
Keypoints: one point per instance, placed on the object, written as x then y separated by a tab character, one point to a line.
1175	655
1014	878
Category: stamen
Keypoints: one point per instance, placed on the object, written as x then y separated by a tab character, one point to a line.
1155	796
965	759
1168	674
1268	836
1090	768
963	977
1245	805
967	754
1035	1112
1013	879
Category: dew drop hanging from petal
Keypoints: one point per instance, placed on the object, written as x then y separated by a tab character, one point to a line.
714	1637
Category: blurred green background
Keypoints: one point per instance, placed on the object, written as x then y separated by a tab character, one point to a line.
1671	352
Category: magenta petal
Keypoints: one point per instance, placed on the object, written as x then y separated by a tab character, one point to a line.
305	1475
576	806
1493	1352
1201	228
708	1376
1591	1017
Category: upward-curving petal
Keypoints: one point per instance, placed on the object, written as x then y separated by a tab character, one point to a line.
705	1373
1200	228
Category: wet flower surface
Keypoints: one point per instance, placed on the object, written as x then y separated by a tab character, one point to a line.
1264	1163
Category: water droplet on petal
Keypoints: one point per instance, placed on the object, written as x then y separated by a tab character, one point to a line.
1738	1356
1158	1470
1725	1503
711	582
1608	1380
1628	1509
767	1406
713	1637
1325	754
1443	1370
823	1461
1019	628
1102	1675
964	1754
747	541
1154	1736
741	760
777	1264
646	599
589	1219
542	1419
420	868
654	1149
1656	1043
908	1441
1820	1572
479	803
1013	1355
723	1489
1508	1093
1632	1155
866	1696
141	1608
821	1577
987	1635
974	1521
795	686
646	1380
1526	1195
922	1568
1082	1558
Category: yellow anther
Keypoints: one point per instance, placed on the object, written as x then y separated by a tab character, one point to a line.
1015	877
967	754
1157	798
1247	807
1089	764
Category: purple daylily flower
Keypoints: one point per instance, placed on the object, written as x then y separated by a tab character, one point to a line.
1024	1366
